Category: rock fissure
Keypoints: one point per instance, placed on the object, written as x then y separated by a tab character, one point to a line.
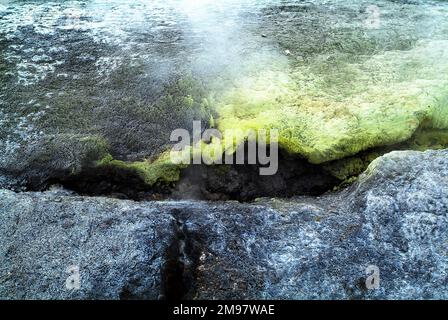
179	271
295	176
173	282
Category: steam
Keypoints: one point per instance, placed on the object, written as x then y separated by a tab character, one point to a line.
229	49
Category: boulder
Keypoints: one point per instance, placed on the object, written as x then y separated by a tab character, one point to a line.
117	249
395	219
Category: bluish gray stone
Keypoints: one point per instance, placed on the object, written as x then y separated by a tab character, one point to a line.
395	218
118	246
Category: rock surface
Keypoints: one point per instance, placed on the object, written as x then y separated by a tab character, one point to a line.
395	218
119	247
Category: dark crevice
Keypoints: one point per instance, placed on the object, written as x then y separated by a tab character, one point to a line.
295	176
113	182
173	270
179	271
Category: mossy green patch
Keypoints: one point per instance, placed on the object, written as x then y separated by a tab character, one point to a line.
393	95
161	170
373	105
423	139
429	139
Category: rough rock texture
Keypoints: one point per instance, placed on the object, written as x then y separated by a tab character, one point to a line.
119	247
395	217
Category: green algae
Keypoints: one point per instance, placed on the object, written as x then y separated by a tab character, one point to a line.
339	92
344	123
429	139
349	168
391	107
159	171
396	93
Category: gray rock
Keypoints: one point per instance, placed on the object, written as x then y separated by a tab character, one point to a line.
394	218
118	246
